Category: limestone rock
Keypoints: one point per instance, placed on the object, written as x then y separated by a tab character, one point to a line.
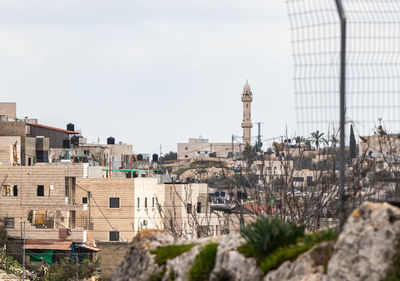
367	244
179	267
307	267
139	263
231	265
8	277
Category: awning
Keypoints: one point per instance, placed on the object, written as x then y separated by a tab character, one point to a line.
48	245
84	246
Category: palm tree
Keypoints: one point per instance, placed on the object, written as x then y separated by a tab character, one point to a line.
334	140
317	138
299	140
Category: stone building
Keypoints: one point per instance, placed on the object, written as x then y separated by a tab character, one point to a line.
201	148
42	197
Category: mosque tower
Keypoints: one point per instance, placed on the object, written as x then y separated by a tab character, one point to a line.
247	98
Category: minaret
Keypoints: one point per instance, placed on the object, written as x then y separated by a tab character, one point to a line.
247	98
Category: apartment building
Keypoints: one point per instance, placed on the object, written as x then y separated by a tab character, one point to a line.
201	148
42	197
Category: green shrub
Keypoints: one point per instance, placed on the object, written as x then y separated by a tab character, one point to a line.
279	256
274	259
169	252
65	270
267	234
203	263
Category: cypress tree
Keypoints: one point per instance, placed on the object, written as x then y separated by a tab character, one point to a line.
353	145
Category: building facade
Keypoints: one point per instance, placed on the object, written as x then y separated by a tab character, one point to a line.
201	148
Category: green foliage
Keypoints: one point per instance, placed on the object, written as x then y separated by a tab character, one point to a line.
169	252
267	234
290	253
169	156
279	256
9	264
65	270
203	263
157	276
394	274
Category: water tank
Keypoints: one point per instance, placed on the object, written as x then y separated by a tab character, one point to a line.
66	143
75	141
71	127
110	140
139	157
155	157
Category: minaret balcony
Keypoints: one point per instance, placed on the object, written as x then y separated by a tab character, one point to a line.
247	125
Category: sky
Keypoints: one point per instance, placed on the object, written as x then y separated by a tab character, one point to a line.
147	72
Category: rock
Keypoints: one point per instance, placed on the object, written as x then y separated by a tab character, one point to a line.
8	277
231	265
139	263
179	267
367	245
307	267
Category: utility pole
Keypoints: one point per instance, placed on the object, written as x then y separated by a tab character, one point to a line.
23	255
342	176
76	263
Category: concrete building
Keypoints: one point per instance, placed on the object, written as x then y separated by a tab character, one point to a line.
8	111
201	148
42	197
247	98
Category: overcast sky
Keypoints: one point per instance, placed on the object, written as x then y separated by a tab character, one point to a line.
148	72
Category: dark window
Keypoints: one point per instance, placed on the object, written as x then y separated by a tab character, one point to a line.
298	179
186	156
152	202
145	202
189	208
186	148
40	190
15	190
42	156
29	161
114	202
84	200
114	235
138	202
199	207
9	222
86	152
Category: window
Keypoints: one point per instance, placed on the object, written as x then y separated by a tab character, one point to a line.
114	202
9	191
29	161
40	190
298	179
152	202
84	200
138	202
189	208
199	207
186	156
145	202
186	148
9	222
86	152
114	236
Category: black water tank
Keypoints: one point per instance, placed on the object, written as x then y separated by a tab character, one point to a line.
155	157
71	127
139	157
66	143
75	141
110	140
